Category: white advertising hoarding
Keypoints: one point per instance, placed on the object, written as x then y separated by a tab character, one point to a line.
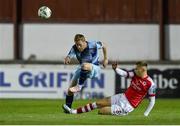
49	81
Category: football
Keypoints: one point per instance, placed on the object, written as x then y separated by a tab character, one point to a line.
44	12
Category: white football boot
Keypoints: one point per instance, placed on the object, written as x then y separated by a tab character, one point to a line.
67	109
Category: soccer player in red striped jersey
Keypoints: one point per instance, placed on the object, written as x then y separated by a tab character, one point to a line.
124	103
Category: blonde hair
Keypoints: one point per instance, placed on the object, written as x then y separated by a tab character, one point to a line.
79	37
142	63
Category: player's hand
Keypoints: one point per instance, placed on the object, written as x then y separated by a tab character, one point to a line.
105	62
114	65
67	60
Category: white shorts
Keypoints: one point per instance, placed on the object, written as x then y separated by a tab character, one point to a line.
120	105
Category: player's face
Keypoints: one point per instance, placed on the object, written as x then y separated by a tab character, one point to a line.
81	45
139	70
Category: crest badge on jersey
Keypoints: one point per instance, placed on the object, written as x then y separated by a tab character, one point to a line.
144	83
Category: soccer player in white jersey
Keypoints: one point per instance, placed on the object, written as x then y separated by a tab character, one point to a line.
87	54
124	103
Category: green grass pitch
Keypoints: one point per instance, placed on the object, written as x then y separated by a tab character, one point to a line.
25	111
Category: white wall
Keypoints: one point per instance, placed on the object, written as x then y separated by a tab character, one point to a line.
6	42
125	42
174	38
52	81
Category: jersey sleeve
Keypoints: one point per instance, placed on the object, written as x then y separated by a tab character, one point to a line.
125	73
95	44
71	53
152	90
99	45
130	73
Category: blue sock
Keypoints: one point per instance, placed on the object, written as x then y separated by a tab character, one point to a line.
83	76
69	100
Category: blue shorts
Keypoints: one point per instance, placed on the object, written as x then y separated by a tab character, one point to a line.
94	73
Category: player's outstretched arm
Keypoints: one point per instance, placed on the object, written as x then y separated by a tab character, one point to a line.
119	71
105	61
150	106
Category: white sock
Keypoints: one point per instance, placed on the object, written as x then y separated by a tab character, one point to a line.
74	111
94	105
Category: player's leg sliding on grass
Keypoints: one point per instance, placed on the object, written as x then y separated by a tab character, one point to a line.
114	105
91	106
122	104
87	54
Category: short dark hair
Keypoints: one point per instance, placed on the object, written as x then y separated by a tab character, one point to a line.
79	37
142	63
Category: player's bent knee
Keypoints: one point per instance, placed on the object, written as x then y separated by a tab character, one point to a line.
103	102
69	92
104	111
86	66
100	112
99	104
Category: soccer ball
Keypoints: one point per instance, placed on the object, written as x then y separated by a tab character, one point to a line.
44	12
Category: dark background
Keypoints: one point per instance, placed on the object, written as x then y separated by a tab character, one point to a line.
118	11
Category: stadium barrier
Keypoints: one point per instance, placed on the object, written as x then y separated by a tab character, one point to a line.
51	81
